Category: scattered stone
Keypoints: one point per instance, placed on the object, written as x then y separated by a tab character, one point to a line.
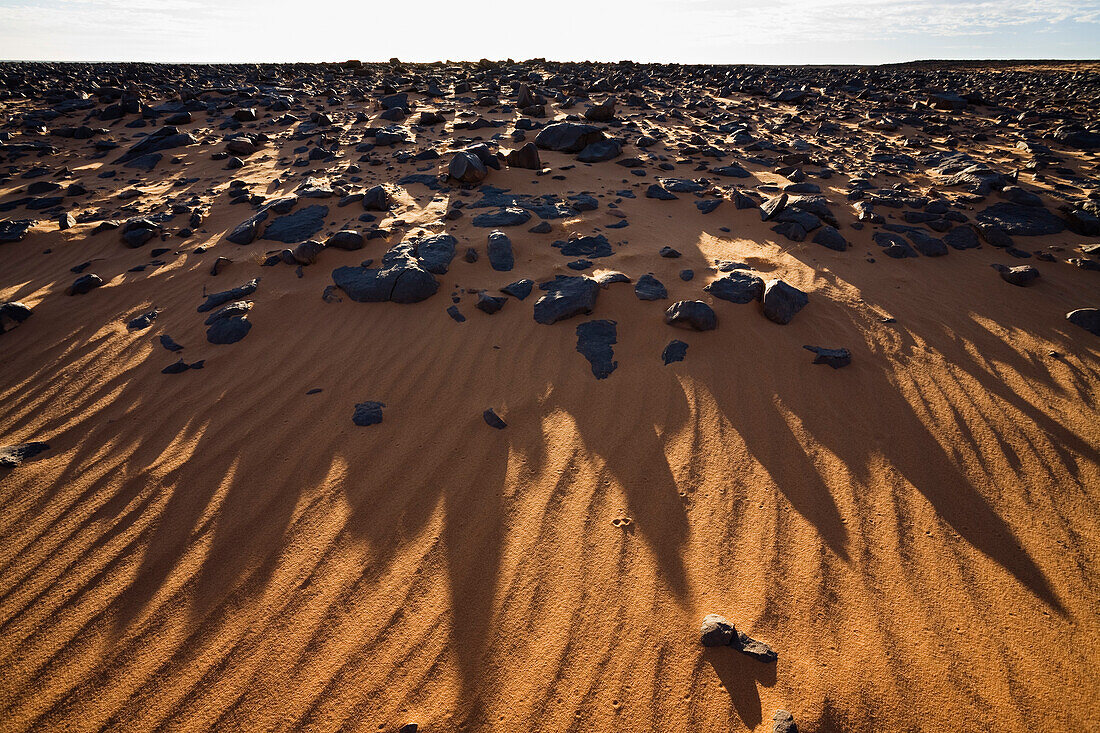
1086	318
238	293
675	351
716	631
783	722
594	341
737	287
368	413
836	358
520	289
500	252
401	279
650	288
493	420
297	227
566	296
782	301
1021	275
694	314
489	303
181	366
167	342
12	314
145	320
85	284
12	456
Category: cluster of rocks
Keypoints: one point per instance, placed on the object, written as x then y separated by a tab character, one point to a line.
872	161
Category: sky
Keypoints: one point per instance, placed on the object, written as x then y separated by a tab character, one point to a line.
682	31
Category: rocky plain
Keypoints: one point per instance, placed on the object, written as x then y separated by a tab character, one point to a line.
549	396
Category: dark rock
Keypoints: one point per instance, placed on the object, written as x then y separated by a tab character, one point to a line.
655	191
401	279
650	288
566	296
376	198
507	217
163	139
1021	275
347	239
435	252
694	314
456	314
962	237
600	150
519	290
465	167
13	230
1086	318
1025	221
489	303
167	342
594	341
245	232
85	284
238	293
829	237
12	456
568	137
228	330
836	358
297	227
368	413
12	314
181	366
145	320
525	157
782	301
756	649
737	287
500	252
675	351
595	245
493	420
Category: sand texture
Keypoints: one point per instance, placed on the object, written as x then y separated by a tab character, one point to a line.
916	534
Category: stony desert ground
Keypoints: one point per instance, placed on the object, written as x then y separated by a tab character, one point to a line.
455	396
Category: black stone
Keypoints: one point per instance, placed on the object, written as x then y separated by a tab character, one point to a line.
694	314
368	413
594	341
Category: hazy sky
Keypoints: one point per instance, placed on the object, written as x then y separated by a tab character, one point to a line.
686	31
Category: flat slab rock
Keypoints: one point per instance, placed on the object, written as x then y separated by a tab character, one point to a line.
297	227
594	341
401	279
238	293
566	296
836	358
1018	219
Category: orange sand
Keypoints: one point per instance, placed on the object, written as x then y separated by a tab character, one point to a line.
918	535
